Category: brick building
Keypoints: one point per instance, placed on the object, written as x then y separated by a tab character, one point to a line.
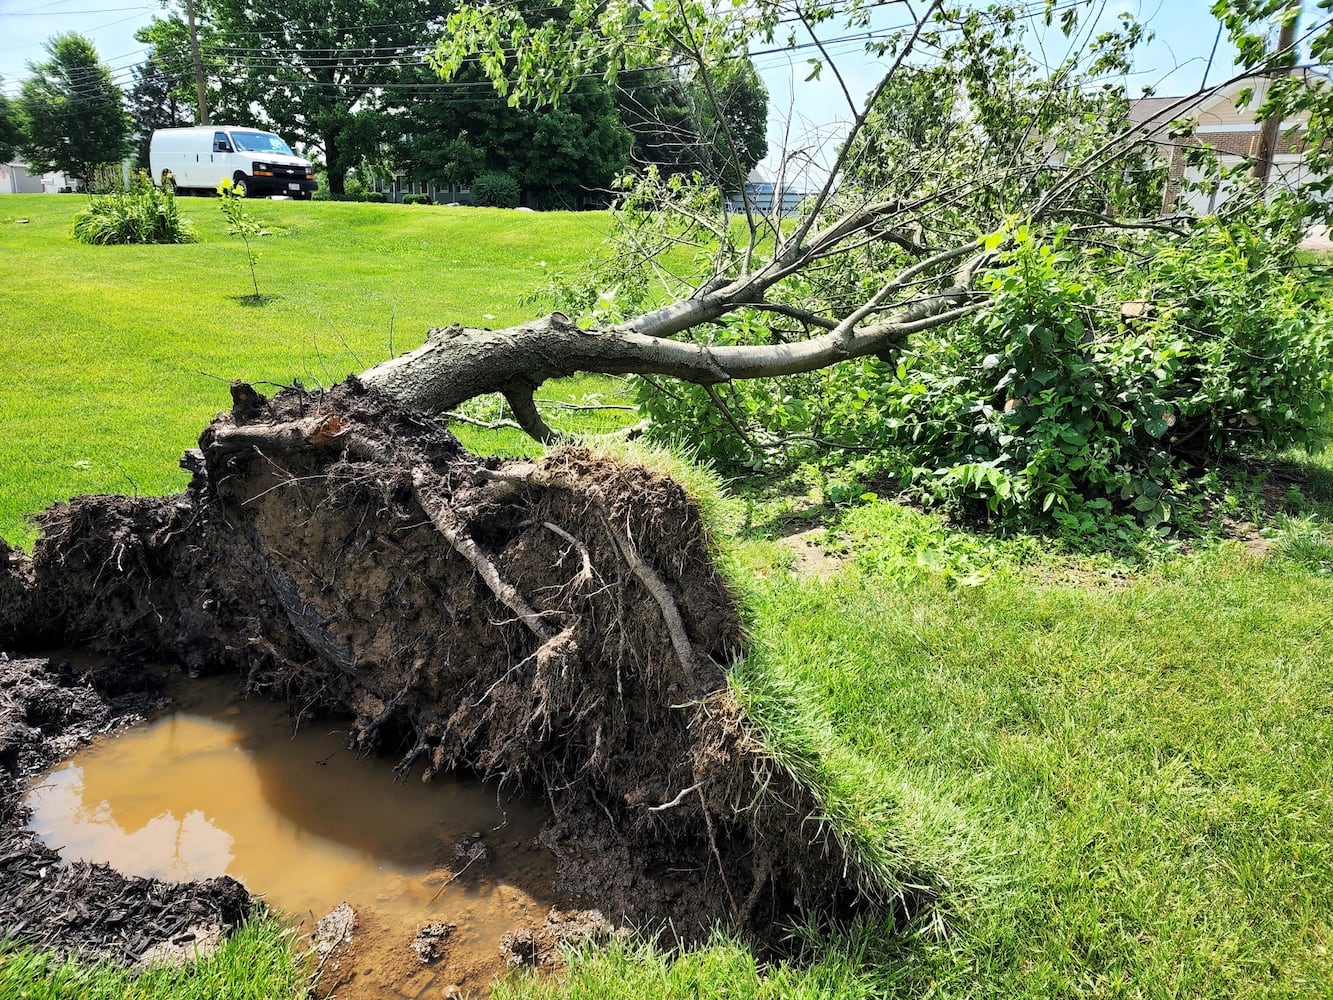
1232	132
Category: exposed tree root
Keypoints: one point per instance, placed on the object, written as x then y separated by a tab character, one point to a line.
559	624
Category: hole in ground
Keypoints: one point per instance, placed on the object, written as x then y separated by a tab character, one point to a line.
224	785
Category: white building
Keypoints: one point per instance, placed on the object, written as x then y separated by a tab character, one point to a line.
15	179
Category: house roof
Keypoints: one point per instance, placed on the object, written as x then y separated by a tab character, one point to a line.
1154	109
1143	109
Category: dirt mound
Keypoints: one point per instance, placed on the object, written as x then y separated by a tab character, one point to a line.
48	710
559	624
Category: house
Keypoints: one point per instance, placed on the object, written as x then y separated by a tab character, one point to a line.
1230	130
16	179
761	195
393	188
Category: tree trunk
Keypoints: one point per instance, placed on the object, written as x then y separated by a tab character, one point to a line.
456	363
334	167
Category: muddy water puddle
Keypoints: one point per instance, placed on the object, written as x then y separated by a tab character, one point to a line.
222	785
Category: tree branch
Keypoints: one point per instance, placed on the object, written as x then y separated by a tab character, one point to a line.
519	398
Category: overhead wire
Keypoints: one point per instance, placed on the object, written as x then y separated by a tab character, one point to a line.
125	76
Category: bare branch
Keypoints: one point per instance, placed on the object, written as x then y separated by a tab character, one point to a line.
859	123
796	313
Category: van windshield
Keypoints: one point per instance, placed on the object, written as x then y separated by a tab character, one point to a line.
259	142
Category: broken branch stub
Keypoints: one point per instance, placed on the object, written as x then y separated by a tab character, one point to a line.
558	624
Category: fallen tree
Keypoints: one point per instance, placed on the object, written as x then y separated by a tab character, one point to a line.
561	624
1015	285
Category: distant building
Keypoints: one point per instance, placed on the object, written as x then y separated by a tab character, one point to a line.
401	183
1229	130
16	179
761	194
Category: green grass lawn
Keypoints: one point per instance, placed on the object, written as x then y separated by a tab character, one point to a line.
1125	781
115	358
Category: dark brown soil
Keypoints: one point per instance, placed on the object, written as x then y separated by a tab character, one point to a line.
558	624
47	711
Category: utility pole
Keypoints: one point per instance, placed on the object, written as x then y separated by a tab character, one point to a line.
198	66
1268	135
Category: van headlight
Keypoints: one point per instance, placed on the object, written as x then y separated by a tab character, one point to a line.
261	170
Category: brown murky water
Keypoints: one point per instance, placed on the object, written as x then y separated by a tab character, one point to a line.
222	785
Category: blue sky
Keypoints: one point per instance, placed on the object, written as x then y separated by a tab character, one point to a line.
806	111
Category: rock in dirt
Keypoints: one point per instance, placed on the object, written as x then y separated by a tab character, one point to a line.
576	927
540	946
520	947
194	944
430	939
333	930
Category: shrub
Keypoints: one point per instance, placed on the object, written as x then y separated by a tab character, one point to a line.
142	214
376	196
1093	395
416	199
495	189
1048	405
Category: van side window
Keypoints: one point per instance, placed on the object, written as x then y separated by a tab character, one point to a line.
220	143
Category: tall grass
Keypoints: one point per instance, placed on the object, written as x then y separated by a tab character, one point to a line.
143	213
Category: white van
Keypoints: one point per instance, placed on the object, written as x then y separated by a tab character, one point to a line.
259	163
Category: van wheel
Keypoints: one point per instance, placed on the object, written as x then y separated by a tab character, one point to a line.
168	181
241	185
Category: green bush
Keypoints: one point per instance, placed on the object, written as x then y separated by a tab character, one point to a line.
494	189
375	196
1092	395
142	214
1051	405
416	199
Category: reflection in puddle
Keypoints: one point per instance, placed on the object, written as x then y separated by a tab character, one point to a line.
221	786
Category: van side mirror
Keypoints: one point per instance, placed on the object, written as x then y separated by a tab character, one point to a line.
221	147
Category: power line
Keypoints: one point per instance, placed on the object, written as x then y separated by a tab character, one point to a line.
125	76
63	13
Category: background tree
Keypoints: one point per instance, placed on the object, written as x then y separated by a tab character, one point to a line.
658	111
11	130
680	127
557	154
315	72
74	111
168	39
732	104
155	102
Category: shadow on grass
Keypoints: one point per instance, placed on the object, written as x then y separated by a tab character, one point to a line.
1252	501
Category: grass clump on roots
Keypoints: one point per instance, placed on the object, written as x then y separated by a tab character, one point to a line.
144	213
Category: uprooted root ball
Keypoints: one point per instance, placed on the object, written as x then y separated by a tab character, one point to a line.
559	624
